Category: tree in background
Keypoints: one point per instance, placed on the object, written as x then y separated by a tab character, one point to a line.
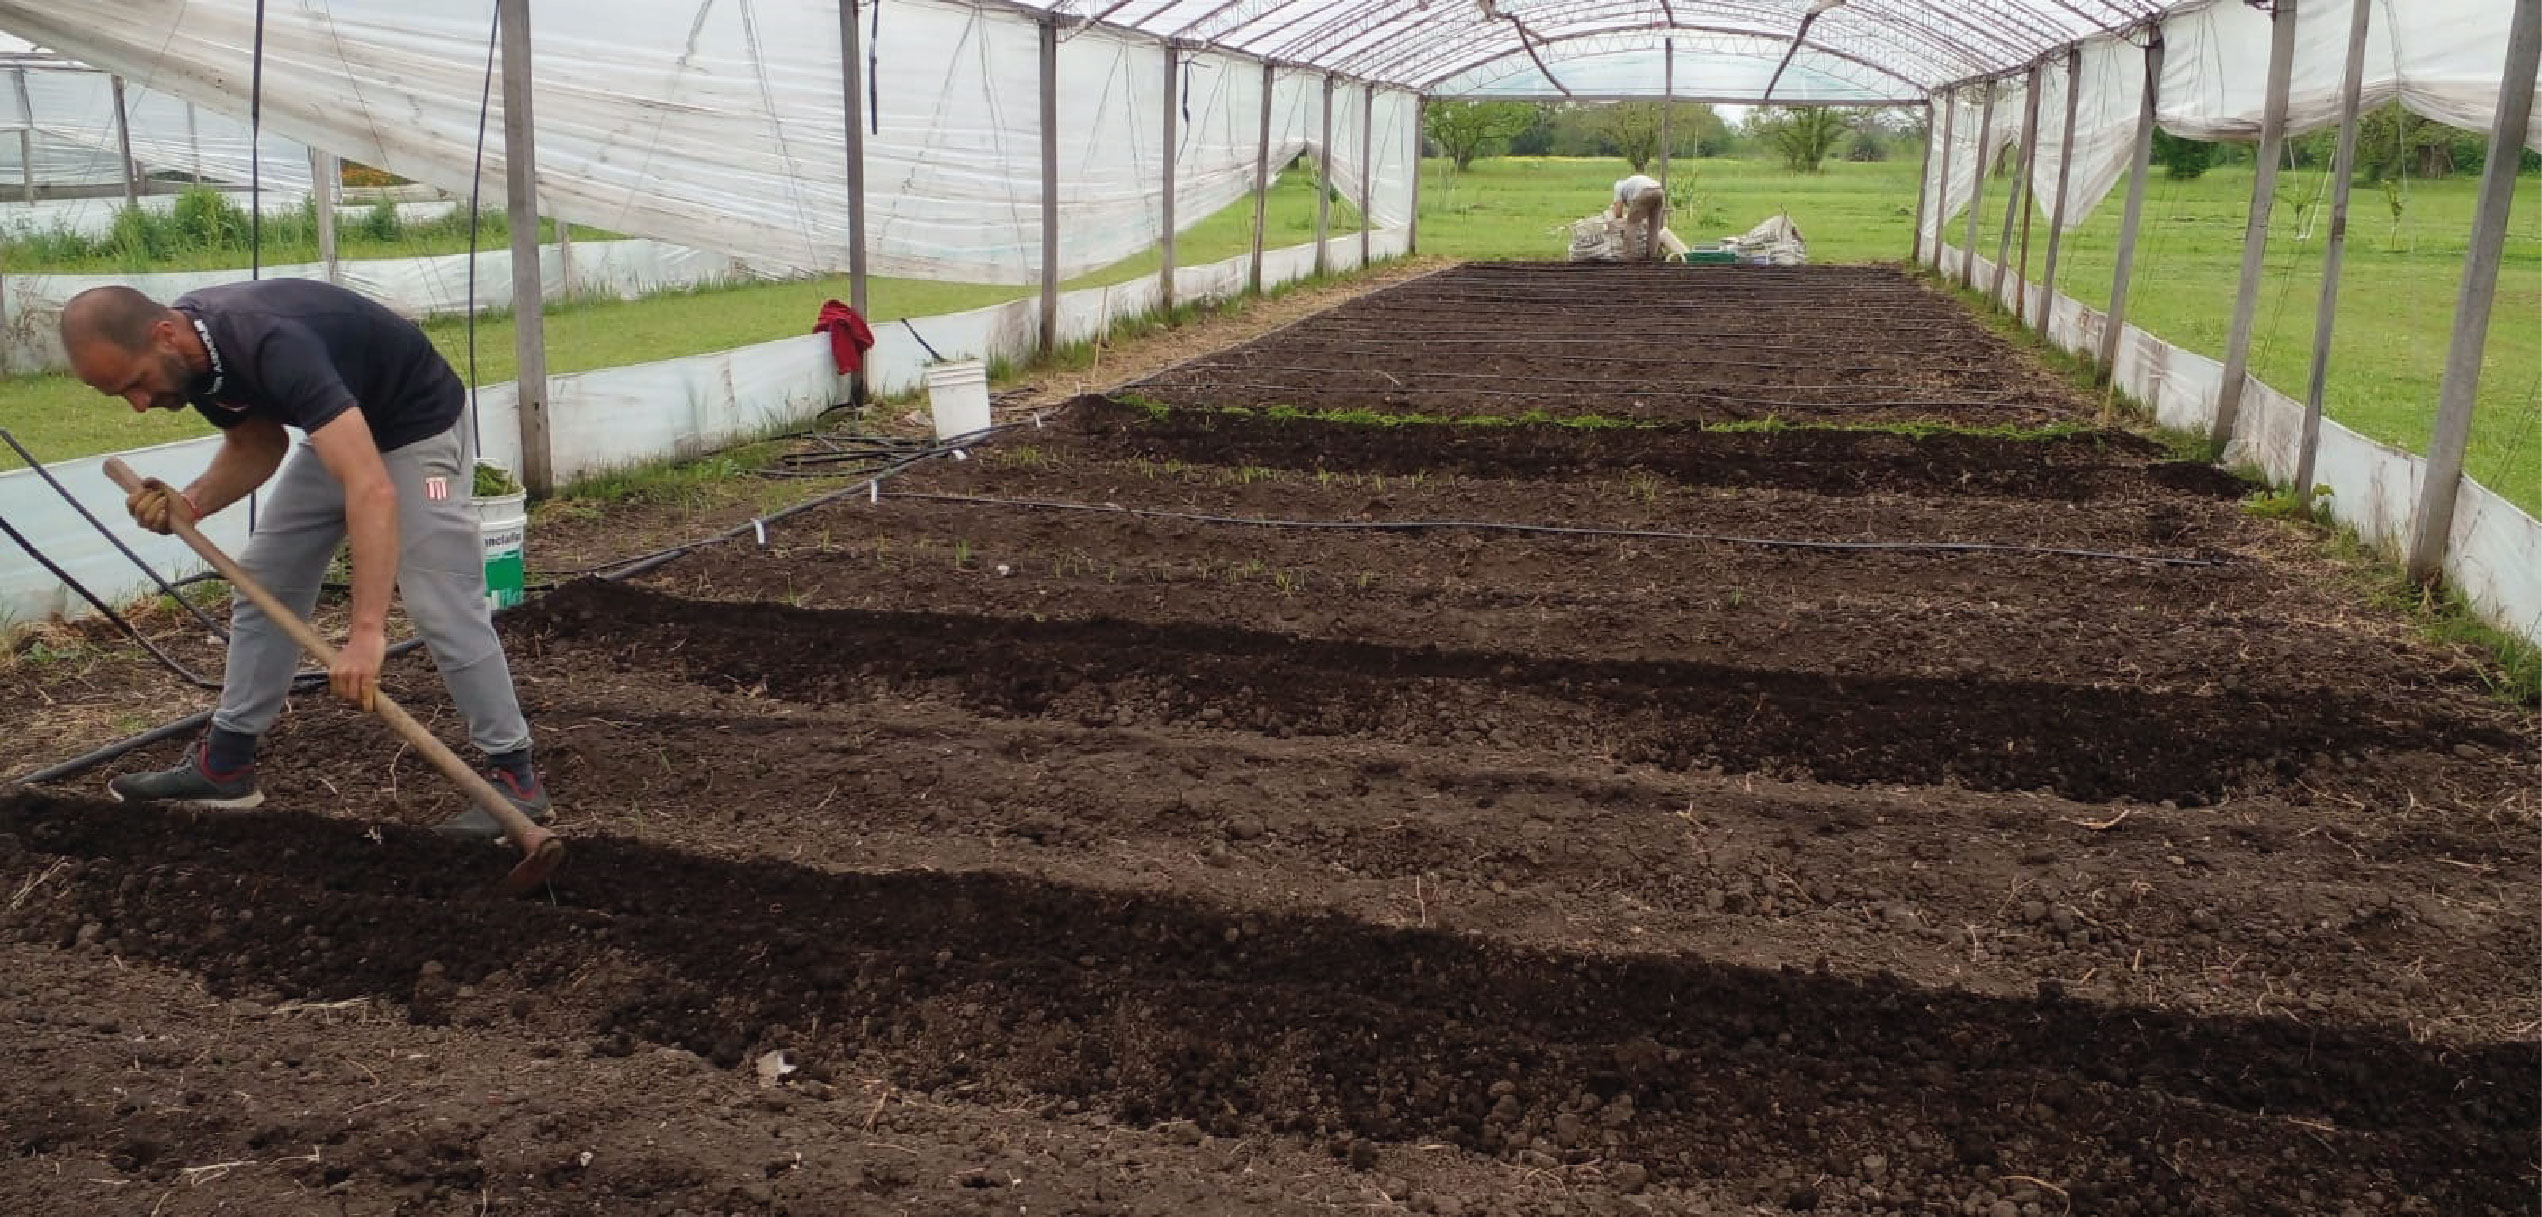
2182	159
1802	136
1631	129
1467	131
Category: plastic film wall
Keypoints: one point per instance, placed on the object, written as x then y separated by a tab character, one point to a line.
721	126
69	113
2439	58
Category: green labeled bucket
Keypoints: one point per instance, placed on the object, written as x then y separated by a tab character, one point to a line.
503	525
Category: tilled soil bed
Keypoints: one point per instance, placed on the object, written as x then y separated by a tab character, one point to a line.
1175	810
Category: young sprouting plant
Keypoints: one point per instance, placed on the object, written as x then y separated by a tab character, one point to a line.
1290	582
1644	487
961	554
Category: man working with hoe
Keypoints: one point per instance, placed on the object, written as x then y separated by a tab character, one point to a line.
382	463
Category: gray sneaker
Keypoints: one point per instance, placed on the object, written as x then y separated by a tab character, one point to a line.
477	824
192	783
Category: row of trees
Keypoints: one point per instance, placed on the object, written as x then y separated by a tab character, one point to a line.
2391	142
1468	131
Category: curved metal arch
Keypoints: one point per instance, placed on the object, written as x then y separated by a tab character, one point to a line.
1936	58
1427	65
1949	41
1607	42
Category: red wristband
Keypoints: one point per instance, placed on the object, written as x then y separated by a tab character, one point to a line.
192	508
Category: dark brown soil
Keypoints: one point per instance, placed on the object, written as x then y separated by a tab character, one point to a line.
1092	862
1816	344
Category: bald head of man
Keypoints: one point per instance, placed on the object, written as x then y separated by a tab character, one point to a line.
124	344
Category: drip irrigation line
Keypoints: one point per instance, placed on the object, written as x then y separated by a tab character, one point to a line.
1698	386
1463	310
173	729
613	572
476	190
1514	340
922	340
255	150
1463	322
108	533
1609	294
172	663
1569	531
1612	394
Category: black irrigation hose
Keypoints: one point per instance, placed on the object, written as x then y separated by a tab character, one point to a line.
1948	547
104	609
164	731
111	539
611	572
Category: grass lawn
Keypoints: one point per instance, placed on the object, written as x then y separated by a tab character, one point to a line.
60	418
2396	301
2386	362
1522	207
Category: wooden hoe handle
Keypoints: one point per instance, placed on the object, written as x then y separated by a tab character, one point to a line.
541	850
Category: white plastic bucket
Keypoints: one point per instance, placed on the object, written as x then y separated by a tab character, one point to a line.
958	393
503	524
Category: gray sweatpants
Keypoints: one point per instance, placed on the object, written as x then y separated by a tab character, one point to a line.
440	577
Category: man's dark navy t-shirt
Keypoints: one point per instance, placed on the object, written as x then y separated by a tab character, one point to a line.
301	352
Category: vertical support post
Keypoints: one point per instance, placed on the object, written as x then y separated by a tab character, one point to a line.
26	134
2343	166
1367	173
1923	190
1667	110
193	145
2137	175
324	176
564	260
2065	181
2020	184
852	76
1173	133
123	140
1420	135
1262	173
1324	179
2443	478
1050	185
520	164
2246	300
1985	164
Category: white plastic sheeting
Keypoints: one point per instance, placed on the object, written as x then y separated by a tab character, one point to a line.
414	287
70	110
1723	68
2111	98
611	418
1967	114
721	125
2494	554
2440	58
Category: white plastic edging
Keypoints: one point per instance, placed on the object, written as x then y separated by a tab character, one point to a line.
598	421
2494	553
414	287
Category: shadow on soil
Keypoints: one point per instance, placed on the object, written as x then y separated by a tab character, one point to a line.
2083	743
1012	990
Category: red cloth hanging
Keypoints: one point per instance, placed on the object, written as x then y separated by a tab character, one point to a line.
850	337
